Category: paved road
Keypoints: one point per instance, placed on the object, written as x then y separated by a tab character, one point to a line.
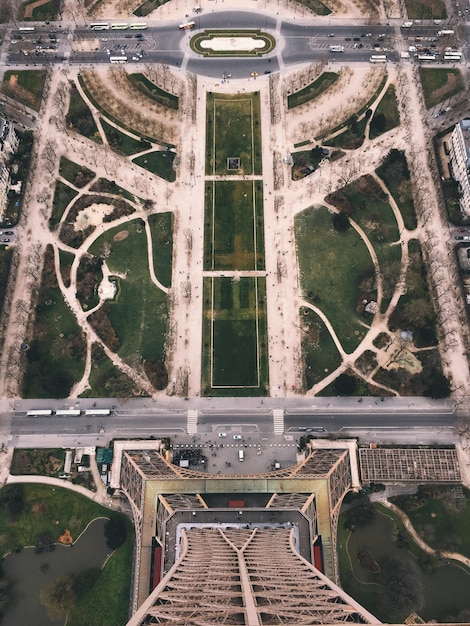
298	42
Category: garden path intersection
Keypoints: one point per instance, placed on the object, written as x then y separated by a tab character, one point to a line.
281	202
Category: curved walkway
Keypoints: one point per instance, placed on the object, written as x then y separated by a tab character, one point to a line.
99	496
455	556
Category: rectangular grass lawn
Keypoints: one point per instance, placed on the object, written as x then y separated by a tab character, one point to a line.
233	233
233	131
234	336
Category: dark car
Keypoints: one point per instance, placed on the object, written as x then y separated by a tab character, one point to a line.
457	237
347	39
128	36
9	232
356	39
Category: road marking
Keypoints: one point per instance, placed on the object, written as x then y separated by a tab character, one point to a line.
278	420
192	422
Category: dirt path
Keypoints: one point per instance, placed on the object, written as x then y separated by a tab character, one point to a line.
443	554
283	199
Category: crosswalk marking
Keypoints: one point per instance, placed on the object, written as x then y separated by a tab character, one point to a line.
278	421
191	424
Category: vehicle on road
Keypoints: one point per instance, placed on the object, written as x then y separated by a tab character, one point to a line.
254	74
222	435
6	240
187	25
237	436
241	455
99	26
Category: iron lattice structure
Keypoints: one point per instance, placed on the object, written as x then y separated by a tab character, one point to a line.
158	490
242	576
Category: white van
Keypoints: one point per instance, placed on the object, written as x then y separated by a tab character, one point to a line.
241	455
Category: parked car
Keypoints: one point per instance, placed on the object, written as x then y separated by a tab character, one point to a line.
237	437
222	434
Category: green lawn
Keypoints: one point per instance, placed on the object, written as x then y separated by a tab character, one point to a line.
332	267
122	142
313	90
440	83
351	138
45	510
103	185
233	131
108	601
234	337
56	358
316	6
5	262
373	213
63	195
106	380
443	585
149	89
74	173
66	260
386	115
49	511
161	227
426	9
415	310
440	520
25	86
79	116
159	162
321	357
396	175
148	6
139	313
233	232
47	11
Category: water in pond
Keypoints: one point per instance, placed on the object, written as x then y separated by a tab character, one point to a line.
29	573
446	588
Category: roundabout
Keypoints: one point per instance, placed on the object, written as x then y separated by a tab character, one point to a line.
229	43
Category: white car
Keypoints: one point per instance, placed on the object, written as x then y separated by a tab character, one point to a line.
222	434
237	436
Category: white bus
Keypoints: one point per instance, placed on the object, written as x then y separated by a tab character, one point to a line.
378	58
98	412
138	26
336	48
426	57
38	412
118	59
68	412
120	26
99	26
444	33
455	57
187	25
26	29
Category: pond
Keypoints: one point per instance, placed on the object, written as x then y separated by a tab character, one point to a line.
29	572
445	586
